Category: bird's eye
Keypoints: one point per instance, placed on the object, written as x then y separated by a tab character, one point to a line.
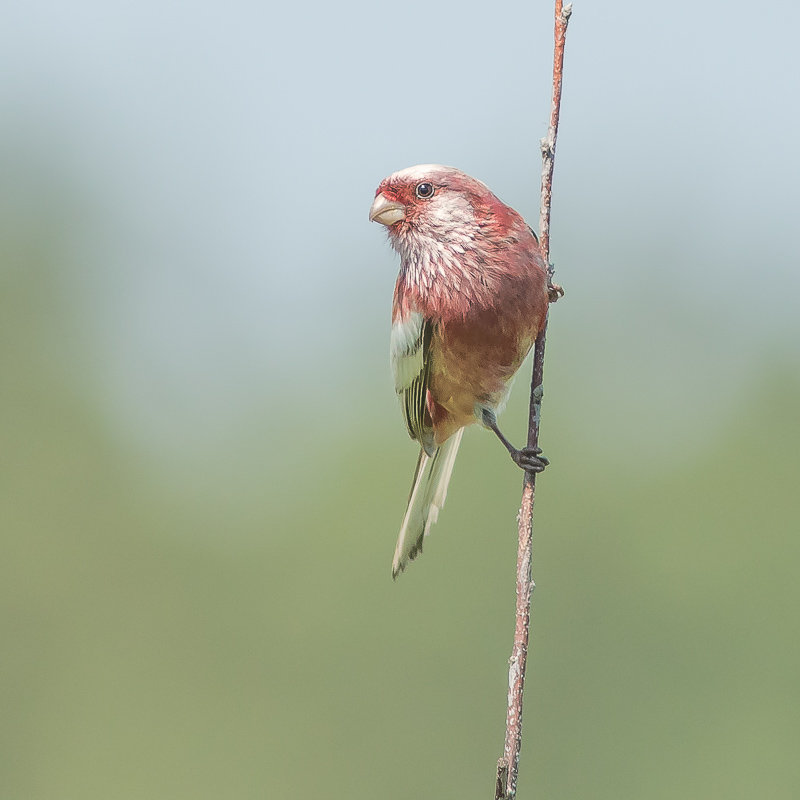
424	190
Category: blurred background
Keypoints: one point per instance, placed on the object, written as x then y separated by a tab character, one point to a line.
204	467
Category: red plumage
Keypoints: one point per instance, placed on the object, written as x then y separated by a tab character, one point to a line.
470	299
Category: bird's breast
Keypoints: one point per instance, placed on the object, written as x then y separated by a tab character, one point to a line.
474	359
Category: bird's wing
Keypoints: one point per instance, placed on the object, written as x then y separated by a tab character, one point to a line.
410	355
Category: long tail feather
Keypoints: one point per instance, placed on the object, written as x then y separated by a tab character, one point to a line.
428	493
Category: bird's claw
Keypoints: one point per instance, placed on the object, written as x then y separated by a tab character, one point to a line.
554	291
530	459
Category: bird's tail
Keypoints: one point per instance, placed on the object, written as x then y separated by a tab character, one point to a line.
427	496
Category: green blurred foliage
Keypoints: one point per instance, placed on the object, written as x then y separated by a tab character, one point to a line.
203	632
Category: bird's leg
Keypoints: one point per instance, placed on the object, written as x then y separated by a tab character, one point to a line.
528	458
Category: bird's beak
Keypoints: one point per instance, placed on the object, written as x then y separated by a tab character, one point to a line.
385	211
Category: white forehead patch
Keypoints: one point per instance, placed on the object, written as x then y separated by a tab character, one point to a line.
421	171
433	172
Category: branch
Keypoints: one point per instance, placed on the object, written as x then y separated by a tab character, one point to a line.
508	765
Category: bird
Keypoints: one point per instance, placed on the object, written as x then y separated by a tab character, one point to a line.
470	299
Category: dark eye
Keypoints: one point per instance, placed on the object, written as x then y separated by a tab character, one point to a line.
424	190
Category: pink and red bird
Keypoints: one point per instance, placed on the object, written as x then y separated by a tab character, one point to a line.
470	300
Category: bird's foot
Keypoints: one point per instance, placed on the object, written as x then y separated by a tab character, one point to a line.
530	459
554	291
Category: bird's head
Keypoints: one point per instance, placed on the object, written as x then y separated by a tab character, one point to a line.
439	204
458	244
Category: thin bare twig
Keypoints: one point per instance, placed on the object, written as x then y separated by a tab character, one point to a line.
508	765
